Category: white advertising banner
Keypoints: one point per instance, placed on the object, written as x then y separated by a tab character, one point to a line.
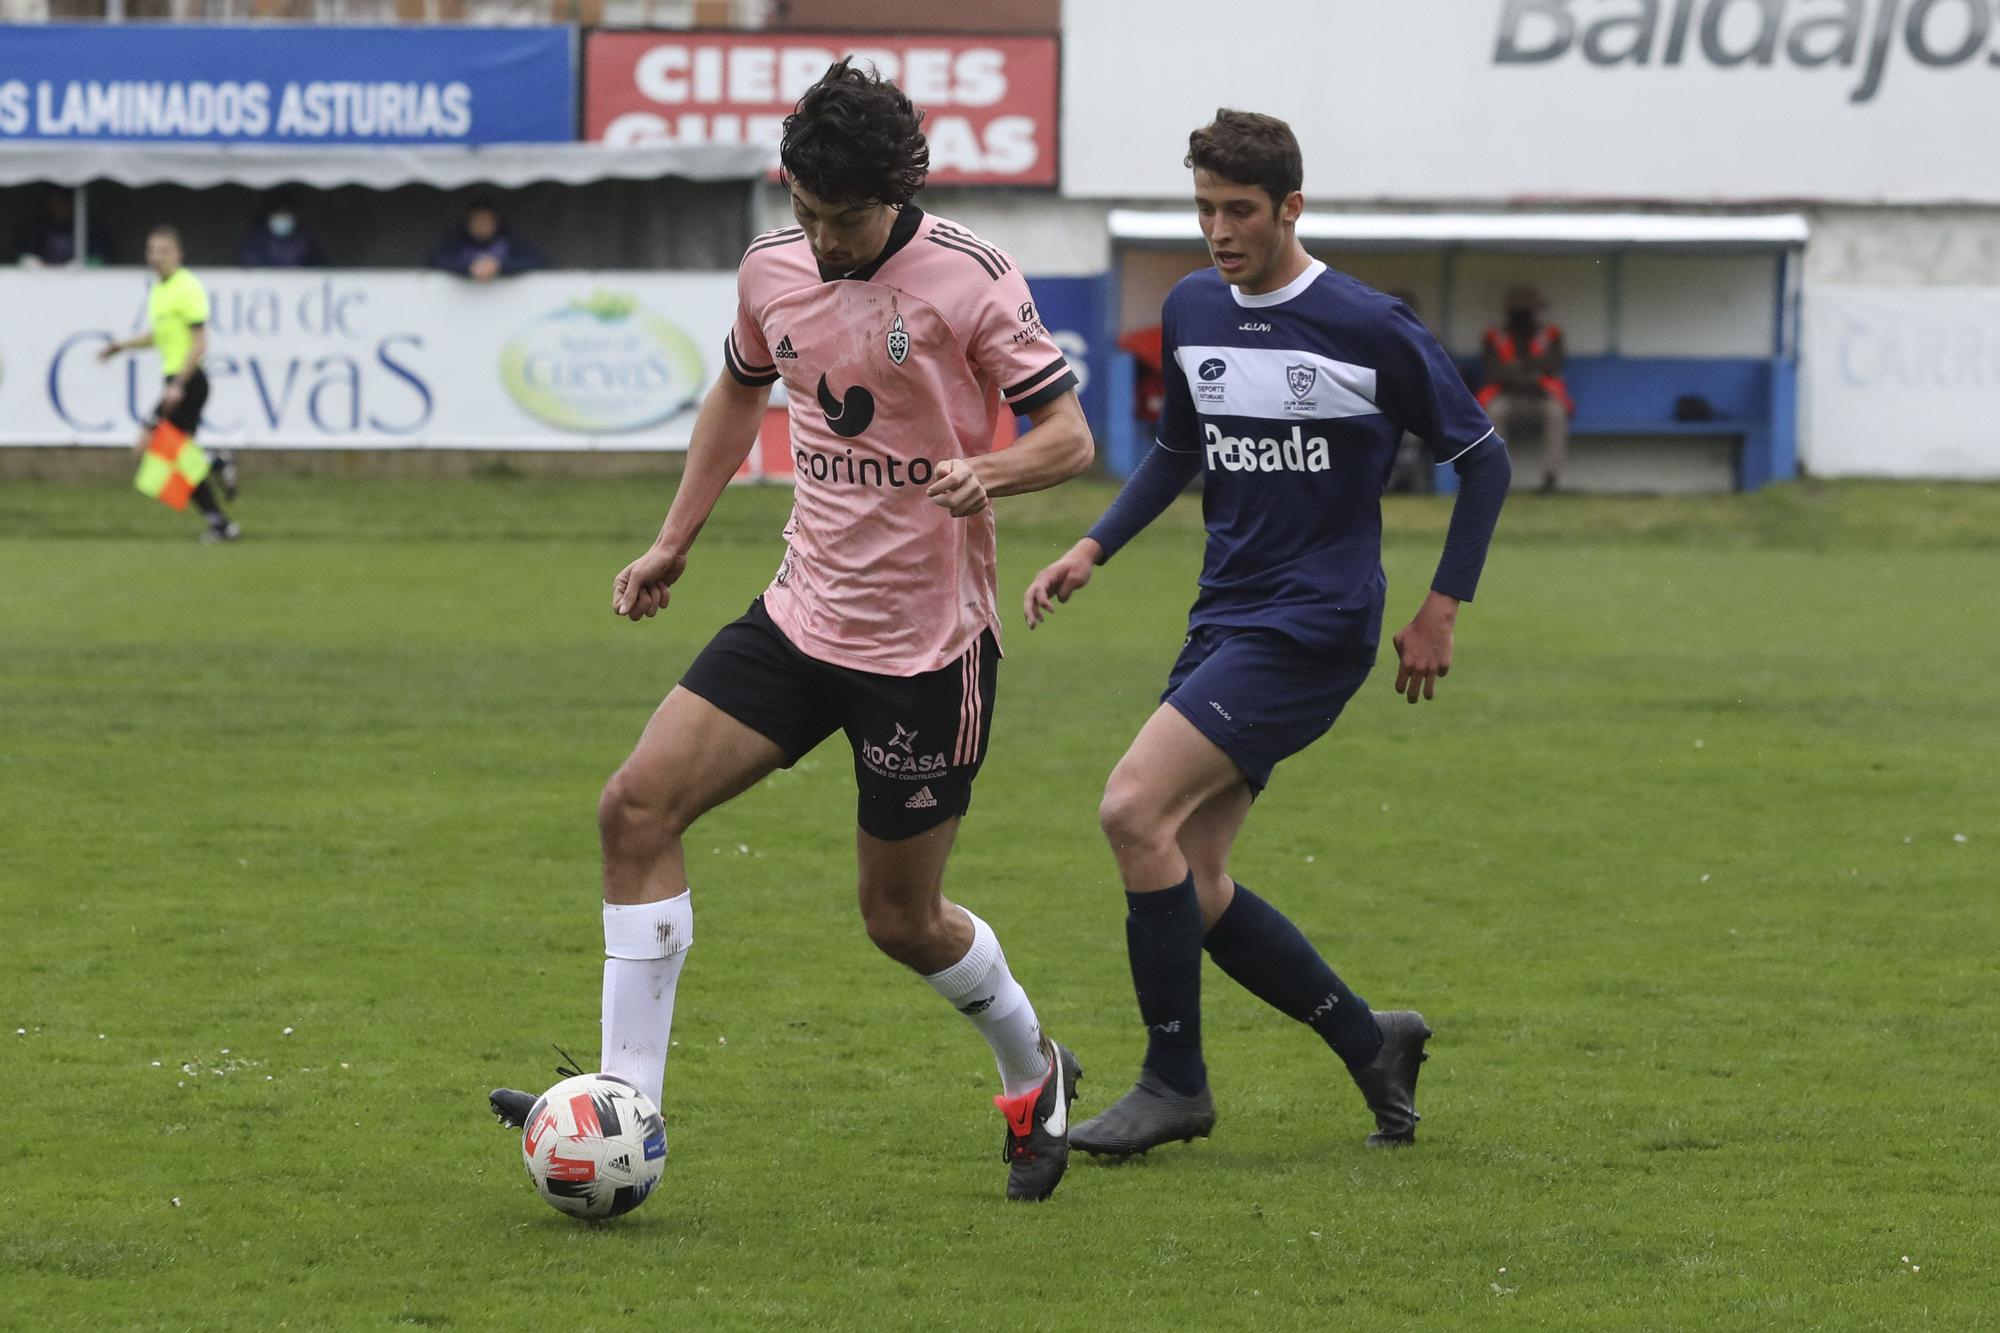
1686	101
342	359
1902	382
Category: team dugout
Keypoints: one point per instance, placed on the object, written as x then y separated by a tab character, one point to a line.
1682	331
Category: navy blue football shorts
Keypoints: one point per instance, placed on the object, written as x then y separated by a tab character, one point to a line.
1260	695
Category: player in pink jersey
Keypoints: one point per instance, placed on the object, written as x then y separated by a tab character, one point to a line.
901	338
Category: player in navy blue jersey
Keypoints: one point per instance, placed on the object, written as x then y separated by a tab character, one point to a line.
1289	387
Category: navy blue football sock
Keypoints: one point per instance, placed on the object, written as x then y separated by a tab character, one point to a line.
1263	952
1163	936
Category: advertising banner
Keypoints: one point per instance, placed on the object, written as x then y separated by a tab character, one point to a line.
989	102
363	359
1692	101
1073	311
1902	382
196	83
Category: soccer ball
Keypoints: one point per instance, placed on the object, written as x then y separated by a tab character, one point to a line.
594	1146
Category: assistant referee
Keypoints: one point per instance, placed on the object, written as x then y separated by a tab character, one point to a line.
177	325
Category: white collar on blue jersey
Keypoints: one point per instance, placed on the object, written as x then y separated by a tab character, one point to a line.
1284	293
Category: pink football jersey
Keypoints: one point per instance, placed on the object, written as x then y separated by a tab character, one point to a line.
890	370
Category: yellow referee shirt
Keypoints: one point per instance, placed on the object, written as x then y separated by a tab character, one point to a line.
175	306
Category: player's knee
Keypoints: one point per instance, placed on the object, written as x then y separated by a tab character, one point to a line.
631	818
895	929
620	816
1126	815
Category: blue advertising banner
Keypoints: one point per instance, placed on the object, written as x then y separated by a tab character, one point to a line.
1075	311
276	85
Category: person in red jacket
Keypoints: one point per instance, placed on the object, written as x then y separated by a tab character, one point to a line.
1523	385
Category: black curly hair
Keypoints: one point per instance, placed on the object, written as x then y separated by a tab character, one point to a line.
856	139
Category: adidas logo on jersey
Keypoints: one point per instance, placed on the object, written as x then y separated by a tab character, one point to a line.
1294	453
783	351
923	800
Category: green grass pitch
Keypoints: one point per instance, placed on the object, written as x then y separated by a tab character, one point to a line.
1692	866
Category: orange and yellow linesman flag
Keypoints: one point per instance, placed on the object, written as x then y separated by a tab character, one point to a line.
172	466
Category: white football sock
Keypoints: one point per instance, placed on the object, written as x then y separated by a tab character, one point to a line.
980	987
644	947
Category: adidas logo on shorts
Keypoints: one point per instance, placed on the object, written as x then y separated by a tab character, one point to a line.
784	349
923	800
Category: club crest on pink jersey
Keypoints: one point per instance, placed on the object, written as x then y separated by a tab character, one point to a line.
899	342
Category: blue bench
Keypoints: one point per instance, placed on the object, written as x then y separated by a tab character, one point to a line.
1753	398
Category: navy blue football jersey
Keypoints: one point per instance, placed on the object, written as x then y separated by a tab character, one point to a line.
1296	401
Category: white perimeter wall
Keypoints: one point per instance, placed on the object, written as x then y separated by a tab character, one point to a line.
1901	368
1694	101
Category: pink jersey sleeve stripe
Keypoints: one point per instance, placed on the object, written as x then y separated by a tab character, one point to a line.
754	376
1056	363
1044	386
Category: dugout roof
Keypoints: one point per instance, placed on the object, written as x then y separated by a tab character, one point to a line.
506	166
1497	231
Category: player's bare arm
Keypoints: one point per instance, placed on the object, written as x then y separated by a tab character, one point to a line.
724	433
1061	580
137	342
111	349
1057	447
1423	647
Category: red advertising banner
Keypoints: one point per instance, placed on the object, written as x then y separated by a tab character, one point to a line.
990	102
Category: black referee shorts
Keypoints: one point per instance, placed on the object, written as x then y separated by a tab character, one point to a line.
186	416
918	741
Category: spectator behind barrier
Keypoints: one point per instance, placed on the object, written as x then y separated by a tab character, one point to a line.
1524	361
50	236
279	239
482	248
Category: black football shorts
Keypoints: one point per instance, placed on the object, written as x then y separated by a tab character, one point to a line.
918	741
186	415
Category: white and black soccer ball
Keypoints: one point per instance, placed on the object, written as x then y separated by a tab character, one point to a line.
594	1146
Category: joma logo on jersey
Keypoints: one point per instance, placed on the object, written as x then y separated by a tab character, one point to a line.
1294	453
